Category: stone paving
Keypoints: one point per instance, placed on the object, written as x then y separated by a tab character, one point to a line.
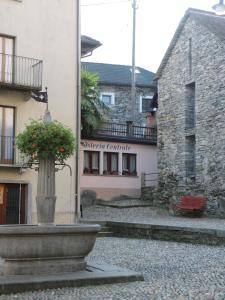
172	271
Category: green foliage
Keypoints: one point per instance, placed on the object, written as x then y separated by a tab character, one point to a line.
43	140
93	109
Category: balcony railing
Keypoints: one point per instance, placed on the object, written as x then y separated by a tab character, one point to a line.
9	154
20	72
128	131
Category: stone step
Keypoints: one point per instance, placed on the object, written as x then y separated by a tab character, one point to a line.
124	203
105	234
85	221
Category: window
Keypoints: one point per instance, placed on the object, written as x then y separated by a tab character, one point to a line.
190	163
110	163
108	98
190	105
91	162
190	55
6	59
145	104
129	164
6	135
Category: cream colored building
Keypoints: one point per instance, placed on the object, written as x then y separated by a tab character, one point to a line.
38	48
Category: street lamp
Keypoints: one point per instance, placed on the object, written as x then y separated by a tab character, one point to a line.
219	8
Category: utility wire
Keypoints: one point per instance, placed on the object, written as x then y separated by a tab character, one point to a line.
105	3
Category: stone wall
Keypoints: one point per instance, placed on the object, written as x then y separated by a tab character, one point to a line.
122	110
207	72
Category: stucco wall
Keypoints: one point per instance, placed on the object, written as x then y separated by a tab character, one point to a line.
44	29
110	186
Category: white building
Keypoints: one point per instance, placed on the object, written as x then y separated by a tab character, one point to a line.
38	49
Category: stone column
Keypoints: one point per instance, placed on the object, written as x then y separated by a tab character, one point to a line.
46	186
46	191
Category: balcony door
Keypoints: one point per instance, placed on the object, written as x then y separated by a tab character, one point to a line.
6	59
6	135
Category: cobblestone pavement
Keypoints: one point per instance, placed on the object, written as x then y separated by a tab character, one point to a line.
173	271
149	215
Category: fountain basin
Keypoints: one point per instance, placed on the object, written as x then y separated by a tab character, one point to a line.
31	249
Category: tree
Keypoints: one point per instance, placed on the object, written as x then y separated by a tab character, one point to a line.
93	110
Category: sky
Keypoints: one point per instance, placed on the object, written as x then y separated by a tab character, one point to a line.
110	22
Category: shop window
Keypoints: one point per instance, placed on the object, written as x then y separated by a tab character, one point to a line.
91	162
110	164
129	164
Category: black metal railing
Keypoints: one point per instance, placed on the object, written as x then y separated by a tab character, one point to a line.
127	131
149	179
9	154
20	72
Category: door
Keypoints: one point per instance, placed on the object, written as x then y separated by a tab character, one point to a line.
12	204
6	59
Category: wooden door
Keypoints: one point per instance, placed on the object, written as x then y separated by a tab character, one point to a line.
12	204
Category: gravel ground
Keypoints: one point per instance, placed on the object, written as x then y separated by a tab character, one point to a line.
173	271
149	215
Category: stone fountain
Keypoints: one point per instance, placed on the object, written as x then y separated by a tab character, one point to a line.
34	257
45	248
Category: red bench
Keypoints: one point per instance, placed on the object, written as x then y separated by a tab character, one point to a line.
190	204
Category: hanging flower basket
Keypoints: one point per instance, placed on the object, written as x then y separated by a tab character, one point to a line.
42	140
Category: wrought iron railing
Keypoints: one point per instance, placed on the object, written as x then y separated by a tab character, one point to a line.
127	131
21	72
9	154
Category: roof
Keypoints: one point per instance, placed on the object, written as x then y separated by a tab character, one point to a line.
211	21
88	45
110	74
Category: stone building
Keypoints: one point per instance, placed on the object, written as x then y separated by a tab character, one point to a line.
38	48
113	160
191	100
115	90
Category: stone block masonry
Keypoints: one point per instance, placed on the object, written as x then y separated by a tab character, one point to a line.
178	154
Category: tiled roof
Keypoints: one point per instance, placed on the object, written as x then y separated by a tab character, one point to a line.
211	21
111	74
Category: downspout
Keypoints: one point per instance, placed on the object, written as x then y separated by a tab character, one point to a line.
78	118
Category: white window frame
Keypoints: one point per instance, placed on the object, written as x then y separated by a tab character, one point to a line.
140	102
108	94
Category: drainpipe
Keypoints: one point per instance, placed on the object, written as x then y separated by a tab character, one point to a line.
78	118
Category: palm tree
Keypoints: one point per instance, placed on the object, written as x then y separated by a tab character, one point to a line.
93	110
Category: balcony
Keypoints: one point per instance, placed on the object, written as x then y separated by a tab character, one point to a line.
127	133
9	154
23	73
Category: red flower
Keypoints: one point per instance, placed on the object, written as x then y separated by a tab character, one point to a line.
61	150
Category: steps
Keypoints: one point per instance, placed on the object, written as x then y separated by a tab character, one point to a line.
123	203
105	230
